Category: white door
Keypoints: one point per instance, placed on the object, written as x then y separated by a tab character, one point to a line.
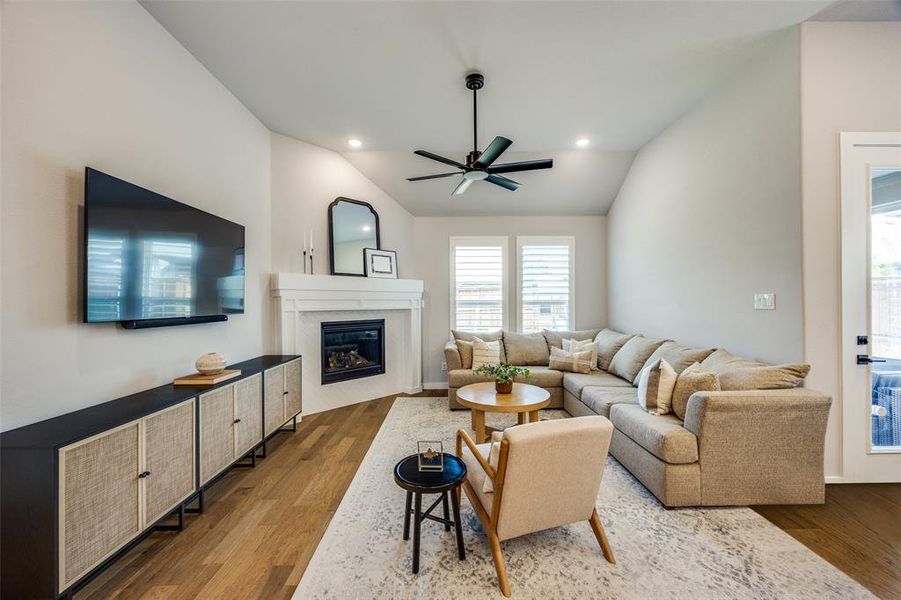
871	306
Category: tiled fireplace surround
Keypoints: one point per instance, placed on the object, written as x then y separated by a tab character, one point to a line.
305	301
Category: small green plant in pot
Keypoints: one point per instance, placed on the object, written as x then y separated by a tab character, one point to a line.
503	375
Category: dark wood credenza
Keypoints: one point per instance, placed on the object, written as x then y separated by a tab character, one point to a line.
79	490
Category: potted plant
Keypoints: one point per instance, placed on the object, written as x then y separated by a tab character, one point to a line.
503	375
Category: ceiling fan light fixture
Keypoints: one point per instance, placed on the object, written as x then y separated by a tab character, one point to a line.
475	175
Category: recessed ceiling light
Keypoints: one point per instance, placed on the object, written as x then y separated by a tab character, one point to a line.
366	227
582	142
354	143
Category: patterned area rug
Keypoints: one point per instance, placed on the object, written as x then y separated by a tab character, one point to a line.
684	553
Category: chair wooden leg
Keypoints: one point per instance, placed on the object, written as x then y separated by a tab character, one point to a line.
602	536
499	563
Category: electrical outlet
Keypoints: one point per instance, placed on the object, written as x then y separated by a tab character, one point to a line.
444	366
765	301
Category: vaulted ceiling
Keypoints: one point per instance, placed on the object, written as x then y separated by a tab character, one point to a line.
391	75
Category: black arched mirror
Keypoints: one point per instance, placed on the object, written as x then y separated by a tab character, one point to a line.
352	226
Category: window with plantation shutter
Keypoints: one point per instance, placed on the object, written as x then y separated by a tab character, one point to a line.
545	276
478	283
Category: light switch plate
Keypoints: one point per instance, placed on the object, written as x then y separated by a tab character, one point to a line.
765	301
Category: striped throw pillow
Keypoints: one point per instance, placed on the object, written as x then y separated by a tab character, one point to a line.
485	353
574	362
571	345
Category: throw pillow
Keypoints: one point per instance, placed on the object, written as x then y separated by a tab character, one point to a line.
526	349
488	336
574	362
723	360
485	353
555	338
627	363
655	387
494	455
577	346
678	356
609	342
776	377
691	380
465	350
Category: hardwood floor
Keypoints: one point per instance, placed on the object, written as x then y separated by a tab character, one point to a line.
261	526
858	530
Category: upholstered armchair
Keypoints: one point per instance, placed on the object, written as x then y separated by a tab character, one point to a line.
548	474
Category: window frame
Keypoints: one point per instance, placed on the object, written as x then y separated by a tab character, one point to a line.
546	240
480	240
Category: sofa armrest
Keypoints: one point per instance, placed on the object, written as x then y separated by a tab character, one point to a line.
452	356
760	447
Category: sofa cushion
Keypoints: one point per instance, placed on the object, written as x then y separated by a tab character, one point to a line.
476	475
465	350
609	342
723	360
661	435
543	377
655	387
526	349
678	356
575	382
599	399
555	338
574	362
488	336
627	363
776	377
691	380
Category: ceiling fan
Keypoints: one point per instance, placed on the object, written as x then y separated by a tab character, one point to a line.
480	165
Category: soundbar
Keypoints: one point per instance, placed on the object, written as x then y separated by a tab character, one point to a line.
148	323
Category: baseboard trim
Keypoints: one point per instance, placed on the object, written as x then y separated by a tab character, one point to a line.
435	385
834	479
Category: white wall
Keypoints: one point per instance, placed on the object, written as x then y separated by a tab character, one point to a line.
432	248
305	180
709	214
850	81
103	84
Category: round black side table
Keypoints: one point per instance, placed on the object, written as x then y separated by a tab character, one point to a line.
408	476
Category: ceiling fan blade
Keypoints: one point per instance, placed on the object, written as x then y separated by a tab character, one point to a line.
423	178
526	165
503	182
463	186
440	159
493	152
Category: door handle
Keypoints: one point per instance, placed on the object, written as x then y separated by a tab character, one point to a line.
144	474
237	421
863	359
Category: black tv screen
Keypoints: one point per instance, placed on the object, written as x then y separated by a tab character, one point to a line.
148	257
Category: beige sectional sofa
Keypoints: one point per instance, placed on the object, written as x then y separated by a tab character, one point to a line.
736	446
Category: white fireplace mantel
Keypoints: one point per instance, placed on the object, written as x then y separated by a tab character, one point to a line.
299	296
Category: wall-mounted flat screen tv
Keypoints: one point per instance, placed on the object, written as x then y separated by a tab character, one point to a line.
151	260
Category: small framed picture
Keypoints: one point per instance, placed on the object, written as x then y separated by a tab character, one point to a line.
430	456
380	263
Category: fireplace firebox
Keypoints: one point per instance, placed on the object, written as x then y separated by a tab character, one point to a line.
352	349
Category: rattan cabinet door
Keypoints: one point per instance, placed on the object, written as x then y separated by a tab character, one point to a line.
217	435
292	386
98	499
168	459
248	415
274	398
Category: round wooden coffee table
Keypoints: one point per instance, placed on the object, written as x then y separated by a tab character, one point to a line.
525	400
